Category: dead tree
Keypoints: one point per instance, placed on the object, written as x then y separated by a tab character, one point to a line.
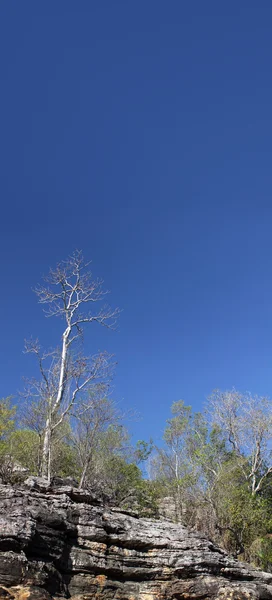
66	373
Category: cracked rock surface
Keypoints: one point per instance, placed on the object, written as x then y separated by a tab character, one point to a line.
60	542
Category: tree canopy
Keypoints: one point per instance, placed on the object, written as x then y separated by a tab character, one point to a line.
212	470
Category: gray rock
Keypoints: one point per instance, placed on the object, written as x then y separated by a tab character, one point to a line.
61	540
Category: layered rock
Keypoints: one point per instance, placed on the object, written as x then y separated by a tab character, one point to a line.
62	542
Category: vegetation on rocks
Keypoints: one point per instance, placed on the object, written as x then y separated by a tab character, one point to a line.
214	466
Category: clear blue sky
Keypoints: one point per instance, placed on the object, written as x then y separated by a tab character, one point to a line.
141	133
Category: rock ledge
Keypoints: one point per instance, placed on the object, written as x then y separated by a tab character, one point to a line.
57	541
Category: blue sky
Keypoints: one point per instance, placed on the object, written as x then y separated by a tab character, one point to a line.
141	133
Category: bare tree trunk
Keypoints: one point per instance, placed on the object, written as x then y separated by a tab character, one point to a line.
45	469
83	475
49	473
178	494
46	455
40	456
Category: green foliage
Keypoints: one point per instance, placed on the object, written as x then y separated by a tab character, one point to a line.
143	450
64	460
7	424
129	490
208	468
242	516
202	465
260	552
24	447
177	426
7	418
124	479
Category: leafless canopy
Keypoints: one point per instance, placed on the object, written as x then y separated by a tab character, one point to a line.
69	288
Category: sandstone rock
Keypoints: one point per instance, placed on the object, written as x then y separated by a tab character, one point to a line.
57	541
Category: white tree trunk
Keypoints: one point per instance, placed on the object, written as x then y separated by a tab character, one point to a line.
46	455
46	451
83	475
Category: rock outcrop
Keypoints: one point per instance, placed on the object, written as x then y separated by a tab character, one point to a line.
61	542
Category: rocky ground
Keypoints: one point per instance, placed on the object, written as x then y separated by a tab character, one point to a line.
57	541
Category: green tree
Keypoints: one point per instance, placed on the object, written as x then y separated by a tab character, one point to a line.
95	418
7	418
246	421
241	517
7	425
24	449
171	465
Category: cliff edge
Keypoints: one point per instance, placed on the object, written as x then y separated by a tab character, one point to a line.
59	542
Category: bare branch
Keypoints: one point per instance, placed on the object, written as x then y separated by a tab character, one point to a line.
69	291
